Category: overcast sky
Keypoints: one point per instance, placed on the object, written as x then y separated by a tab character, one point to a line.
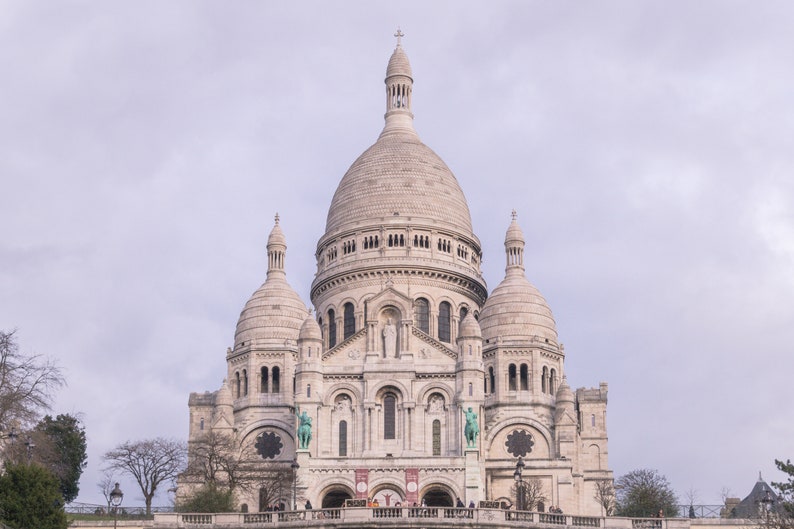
647	147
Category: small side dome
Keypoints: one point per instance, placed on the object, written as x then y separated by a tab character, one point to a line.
564	393
469	328
310	330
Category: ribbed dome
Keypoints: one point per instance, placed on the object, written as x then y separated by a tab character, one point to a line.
564	393
516	311
275	311
310	330
399	176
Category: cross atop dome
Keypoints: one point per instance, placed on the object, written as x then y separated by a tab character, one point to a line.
514	215
277	218
399	34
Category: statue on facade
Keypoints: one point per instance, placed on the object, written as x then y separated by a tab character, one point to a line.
472	429
390	339
304	429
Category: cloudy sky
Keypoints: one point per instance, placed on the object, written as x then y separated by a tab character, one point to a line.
647	147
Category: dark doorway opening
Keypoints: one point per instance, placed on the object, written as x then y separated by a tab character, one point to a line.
438	498
335	499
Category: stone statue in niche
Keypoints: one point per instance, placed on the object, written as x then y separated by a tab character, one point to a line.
304	429
436	404
343	403
390	339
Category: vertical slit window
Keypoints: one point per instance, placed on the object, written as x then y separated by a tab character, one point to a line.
342	438
511	377
436	437
331	328
423	315
275	387
389	416
444	312
524	377
350	321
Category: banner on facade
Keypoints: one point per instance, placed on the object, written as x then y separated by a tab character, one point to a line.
362	483
411	486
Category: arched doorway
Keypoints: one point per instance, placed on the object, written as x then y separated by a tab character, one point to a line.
335	499
438	497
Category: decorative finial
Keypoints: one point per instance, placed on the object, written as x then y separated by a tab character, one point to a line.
514	215
399	36
277	218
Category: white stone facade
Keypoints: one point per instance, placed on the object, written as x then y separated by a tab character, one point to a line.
404	341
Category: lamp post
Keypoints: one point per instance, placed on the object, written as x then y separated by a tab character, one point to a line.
115	500
30	446
519	484
295	466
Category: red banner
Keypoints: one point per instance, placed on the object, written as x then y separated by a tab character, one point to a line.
362	483
411	486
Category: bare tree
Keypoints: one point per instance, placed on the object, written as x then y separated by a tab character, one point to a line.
218	459
529	494
605	496
275	483
106	484
26	384
151	462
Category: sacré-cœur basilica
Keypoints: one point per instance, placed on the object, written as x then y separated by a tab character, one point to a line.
409	382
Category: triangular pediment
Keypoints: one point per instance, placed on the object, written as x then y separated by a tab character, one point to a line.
429	345
351	350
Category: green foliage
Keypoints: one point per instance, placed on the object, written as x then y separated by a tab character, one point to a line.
786	491
29	497
208	498
644	493
68	455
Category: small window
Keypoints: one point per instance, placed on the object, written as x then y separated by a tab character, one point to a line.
237	384
511	377
471	389
308	391
543	382
592	421
524	377
276	386
201	424
492	378
245	383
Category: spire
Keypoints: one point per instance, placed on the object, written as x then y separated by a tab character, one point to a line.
399	88
276	249
514	247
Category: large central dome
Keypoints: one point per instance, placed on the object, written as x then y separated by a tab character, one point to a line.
399	176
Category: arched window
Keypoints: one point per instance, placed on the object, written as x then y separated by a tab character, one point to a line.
436	437
553	382
543	378
471	389
320	323
331	328
422	314
592	421
201	425
524	375
308	391
342	438
389	416
463	312
263	373
444	313
350	321
493	379
276	385
237	384
245	383
485	384
511	377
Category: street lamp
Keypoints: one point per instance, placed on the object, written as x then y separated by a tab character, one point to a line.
115	500
30	446
295	466
519	484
